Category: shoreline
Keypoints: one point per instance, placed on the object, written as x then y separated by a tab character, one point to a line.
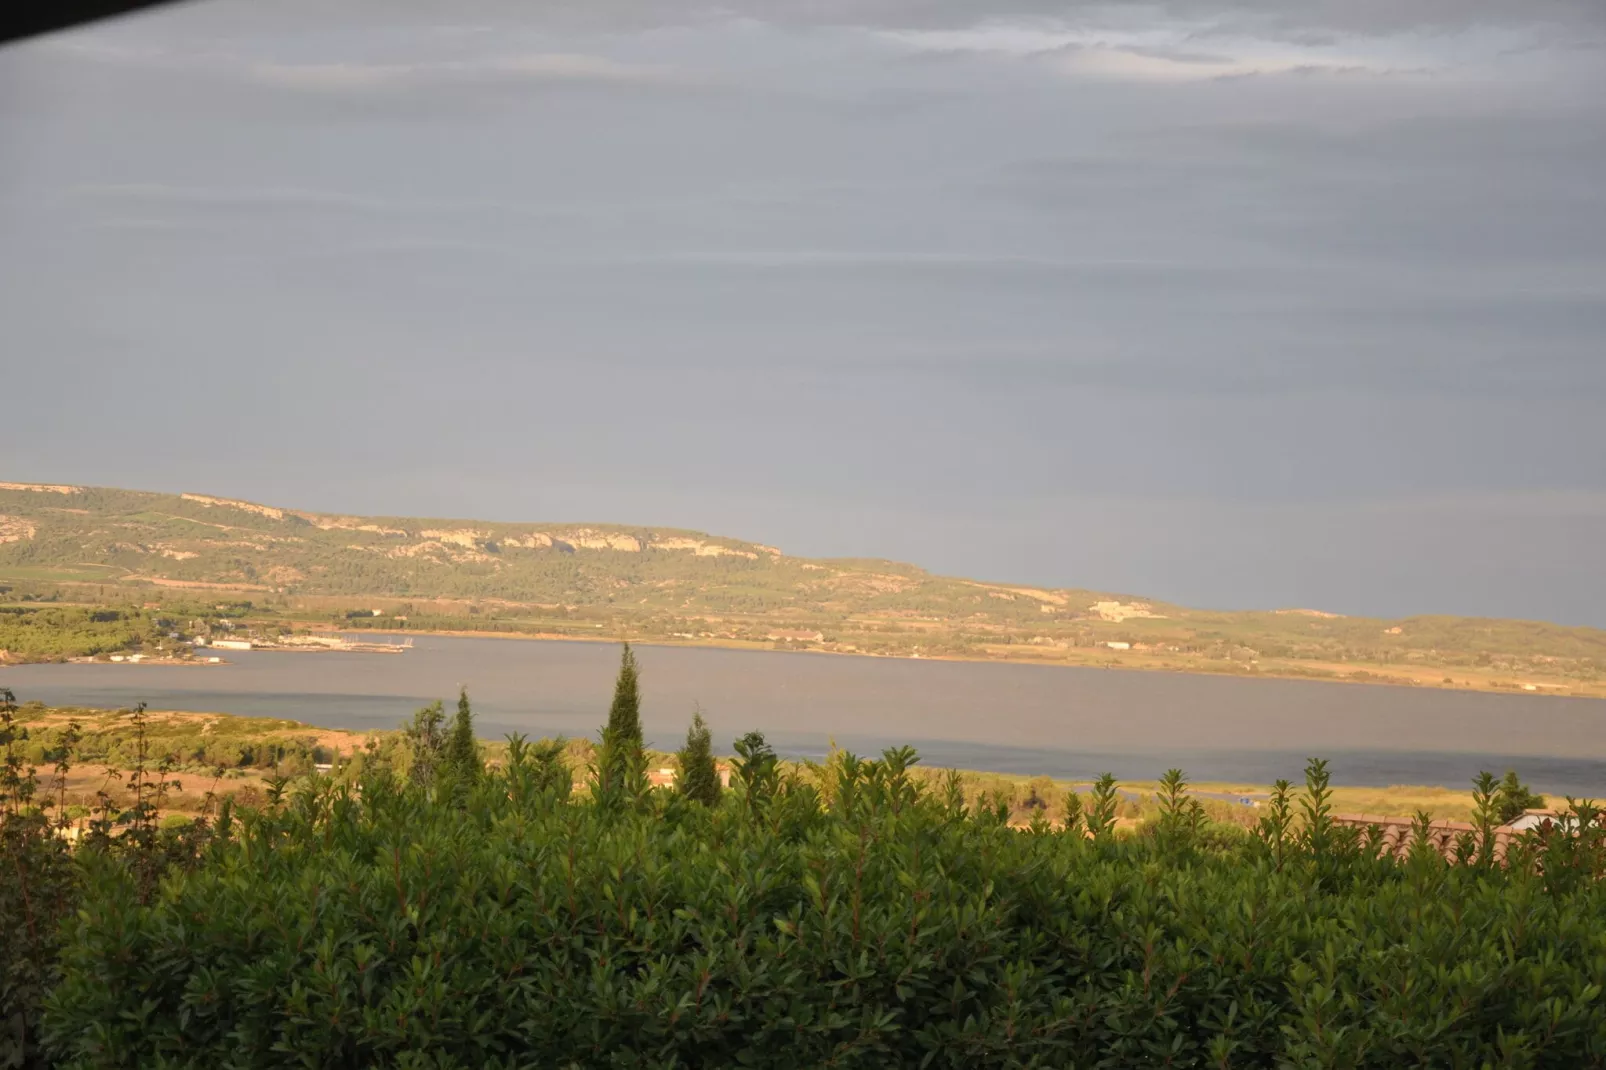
1374	678
1402	799
1377	679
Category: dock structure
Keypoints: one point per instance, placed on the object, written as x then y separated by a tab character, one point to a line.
317	644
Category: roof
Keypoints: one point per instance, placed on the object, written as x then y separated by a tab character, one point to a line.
1398	833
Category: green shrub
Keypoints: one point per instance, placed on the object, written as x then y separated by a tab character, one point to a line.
863	922
43	882
855	913
38	888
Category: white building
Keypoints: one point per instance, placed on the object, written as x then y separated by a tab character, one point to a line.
1538	820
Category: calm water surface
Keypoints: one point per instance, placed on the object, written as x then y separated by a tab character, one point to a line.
1015	718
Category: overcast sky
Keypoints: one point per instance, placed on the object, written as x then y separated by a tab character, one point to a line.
1234	304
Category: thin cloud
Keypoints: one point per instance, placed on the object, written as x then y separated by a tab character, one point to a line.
1561	23
787	258
1154	54
225	197
353	76
1178	55
530	68
1307	22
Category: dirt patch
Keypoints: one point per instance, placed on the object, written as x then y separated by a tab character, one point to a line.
1050	597
162	581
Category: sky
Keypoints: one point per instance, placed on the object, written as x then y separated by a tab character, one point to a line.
1232	303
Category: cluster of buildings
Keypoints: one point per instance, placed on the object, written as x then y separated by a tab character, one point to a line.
665	777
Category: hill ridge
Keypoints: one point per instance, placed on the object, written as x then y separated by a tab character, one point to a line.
678	584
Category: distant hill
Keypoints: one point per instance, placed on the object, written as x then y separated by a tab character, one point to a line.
95	543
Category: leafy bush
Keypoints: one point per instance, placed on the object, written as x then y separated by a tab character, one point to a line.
855	918
437	912
44	880
38	887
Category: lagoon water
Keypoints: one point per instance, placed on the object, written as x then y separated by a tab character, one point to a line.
1016	718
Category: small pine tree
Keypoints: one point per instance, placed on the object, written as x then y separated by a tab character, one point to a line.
624	716
461	757
699	777
1512	797
622	757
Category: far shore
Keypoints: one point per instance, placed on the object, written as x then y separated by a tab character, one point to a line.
1123	662
1113	660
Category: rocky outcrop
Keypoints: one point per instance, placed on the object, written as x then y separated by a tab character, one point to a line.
15	529
345	523
210	502
700	548
43	488
591	539
1119	611
467	538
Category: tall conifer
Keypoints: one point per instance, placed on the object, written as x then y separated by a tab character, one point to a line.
622	759
624	716
699	777
462	756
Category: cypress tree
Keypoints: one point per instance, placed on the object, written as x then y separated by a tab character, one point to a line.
462	753
699	777
624	716
622	759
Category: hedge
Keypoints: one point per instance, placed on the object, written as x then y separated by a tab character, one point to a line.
849	919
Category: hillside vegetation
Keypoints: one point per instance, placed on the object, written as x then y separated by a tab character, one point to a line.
101	546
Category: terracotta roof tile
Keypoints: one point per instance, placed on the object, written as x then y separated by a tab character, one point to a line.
1398	834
